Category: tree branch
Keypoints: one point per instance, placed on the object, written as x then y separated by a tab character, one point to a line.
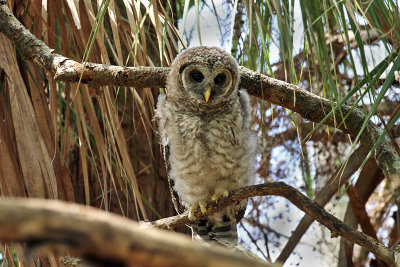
311	208
277	92
105	237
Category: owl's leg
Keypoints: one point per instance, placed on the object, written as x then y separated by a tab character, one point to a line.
203	207
219	193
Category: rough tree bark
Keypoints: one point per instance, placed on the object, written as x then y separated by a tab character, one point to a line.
105	238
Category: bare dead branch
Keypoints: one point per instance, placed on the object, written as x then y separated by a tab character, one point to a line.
337	41
361	214
368	179
106	237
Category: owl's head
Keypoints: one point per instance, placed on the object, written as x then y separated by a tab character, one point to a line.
204	74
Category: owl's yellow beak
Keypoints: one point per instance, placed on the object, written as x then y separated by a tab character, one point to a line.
207	93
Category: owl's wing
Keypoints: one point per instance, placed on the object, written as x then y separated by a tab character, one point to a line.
174	195
244	101
161	117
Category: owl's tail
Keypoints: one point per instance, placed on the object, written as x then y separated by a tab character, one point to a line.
222	232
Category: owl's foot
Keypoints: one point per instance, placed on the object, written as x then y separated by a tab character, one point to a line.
219	193
203	208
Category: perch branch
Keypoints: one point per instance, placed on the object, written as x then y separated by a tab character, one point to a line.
313	209
99	235
277	92
105	237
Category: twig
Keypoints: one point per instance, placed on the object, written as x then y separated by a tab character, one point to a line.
254	242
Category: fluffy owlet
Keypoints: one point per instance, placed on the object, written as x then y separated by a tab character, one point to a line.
204	120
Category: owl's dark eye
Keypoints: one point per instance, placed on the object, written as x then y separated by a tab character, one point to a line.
219	79
196	76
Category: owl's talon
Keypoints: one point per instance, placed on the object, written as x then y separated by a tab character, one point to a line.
192	211
203	208
219	194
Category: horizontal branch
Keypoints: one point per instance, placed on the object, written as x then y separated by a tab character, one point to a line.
105	237
313	209
308	105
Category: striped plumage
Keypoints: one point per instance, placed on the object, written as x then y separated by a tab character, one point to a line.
204	120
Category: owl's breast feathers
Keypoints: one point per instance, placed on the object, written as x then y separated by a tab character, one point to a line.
209	151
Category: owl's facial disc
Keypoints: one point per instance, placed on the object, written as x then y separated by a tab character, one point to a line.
198	80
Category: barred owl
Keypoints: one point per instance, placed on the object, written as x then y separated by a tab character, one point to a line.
204	121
